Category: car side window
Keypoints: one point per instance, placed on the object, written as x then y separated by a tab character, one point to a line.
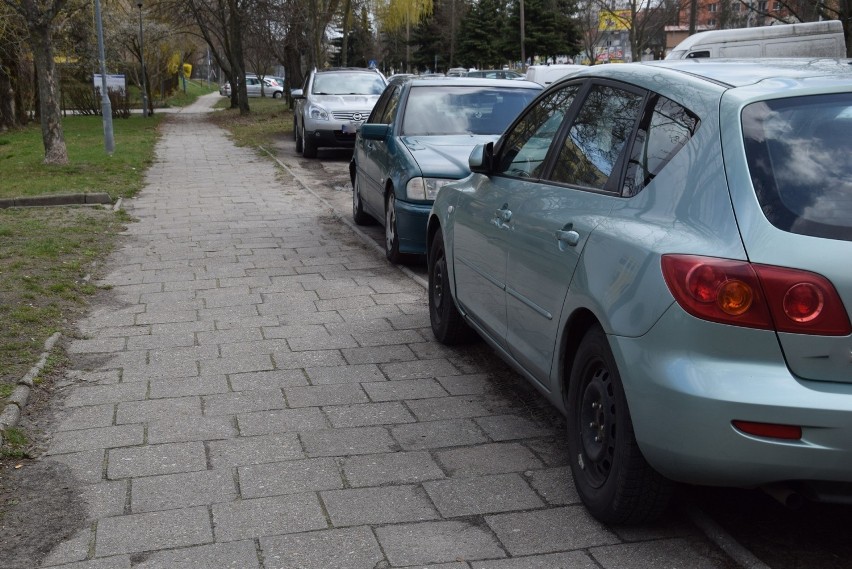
524	148
597	138
379	107
663	131
389	111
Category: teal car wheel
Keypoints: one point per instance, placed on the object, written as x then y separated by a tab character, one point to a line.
612	477
448	326
391	235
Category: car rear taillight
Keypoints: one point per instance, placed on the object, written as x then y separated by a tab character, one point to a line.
756	296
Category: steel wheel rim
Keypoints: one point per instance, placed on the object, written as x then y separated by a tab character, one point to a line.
597	424
438	287
390	224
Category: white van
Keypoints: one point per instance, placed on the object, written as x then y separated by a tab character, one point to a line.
547	74
811	39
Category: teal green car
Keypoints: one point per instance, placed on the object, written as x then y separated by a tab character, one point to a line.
664	250
417	139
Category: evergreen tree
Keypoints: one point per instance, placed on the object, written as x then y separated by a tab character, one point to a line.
483	35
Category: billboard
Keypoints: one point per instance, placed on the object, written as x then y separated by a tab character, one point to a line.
614	21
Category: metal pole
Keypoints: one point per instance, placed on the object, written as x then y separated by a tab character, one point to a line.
142	60
106	106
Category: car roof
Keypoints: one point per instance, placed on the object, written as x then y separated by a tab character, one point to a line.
734	72
469	82
333	69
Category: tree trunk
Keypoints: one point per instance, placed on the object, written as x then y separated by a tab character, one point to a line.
55	151
8	117
235	34
347	26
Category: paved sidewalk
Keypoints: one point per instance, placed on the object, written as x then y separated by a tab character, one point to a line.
263	391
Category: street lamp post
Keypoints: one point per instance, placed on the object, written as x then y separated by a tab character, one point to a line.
142	60
106	105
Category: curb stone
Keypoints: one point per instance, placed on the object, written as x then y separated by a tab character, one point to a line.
18	399
90	198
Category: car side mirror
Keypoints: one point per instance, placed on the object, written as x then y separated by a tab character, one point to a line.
374	131
481	158
297	94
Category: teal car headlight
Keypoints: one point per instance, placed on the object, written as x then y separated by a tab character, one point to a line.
424	188
317	112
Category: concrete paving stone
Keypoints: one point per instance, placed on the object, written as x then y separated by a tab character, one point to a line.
271	267
281	421
94	439
247	283
100	377
253	348
368	313
86	466
178	428
233	555
154	530
166	316
290	477
570	560
184	386
404	389
456	497
259	517
114	562
97	346
346	442
453	407
673	523
104	498
369	414
359	328
165	298
197	284
438	434
555	485
152	372
373	506
315	358
550	531
419	369
137	289
76	548
291	298
481	460
230	313
344	303
267	379
433	350
157	409
243	402
236	364
318	395
437	542
183	490
389	338
349	548
344	288
234	335
309	318
89	417
665	553
313	331
510	427
468	384
182	327
344	374
390	468
330	343
227	270
552	451
231	299
173	356
419	321
400	298
164	276
159	341
151	460
286	308
253	322
254	450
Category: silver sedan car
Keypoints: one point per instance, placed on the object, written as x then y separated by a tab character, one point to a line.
665	251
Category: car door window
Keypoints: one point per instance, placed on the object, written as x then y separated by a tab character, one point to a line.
524	148
389	111
379	108
663	131
597	138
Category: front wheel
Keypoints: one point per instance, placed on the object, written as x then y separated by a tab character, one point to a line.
359	216
298	134
309	146
448	326
613	479
277	95
391	234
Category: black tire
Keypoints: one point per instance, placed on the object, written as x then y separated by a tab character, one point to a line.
391	233
277	94
297	133
358	215
613	479
448	326
309	146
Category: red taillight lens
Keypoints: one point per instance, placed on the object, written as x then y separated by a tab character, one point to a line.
769	430
756	296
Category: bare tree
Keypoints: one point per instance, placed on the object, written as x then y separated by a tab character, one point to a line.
40	18
12	35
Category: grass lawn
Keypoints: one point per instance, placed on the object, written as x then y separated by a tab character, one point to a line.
269	119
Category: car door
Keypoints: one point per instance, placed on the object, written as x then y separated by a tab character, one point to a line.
552	220
372	155
253	86
482	222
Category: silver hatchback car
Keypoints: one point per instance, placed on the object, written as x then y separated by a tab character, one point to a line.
665	251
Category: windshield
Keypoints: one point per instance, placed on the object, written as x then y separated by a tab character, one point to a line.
348	84
463	110
798	153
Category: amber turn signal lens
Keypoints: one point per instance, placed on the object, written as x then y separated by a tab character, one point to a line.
735	297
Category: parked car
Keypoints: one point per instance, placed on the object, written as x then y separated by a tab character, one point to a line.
495	74
416	140
547	74
663	250
457	72
270	88
331	106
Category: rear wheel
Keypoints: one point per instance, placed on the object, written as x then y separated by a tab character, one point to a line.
448	326
309	146
612	477
358	214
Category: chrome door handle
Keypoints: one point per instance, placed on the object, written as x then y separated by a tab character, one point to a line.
504	214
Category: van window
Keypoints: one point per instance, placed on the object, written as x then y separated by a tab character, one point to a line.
798	158
697	54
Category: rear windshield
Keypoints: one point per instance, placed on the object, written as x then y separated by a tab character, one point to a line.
798	152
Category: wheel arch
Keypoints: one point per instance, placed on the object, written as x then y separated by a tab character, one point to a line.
576	326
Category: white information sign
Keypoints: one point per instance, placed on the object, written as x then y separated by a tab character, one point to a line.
114	82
